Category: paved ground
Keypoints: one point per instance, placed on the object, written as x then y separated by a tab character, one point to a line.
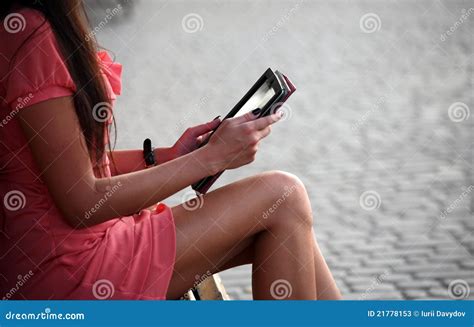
387	164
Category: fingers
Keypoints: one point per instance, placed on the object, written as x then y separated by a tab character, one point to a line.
249	116
203	138
263	122
264	132
250	132
204	128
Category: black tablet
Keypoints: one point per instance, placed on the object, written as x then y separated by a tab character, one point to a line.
269	92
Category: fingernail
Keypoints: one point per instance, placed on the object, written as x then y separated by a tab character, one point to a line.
217	117
256	111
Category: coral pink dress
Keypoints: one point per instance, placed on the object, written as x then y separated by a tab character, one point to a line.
41	257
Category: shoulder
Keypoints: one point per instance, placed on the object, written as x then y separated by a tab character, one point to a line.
21	28
22	23
30	60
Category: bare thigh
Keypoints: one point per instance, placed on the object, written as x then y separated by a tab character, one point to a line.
220	233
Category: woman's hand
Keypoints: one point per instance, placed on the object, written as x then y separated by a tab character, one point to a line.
192	138
66	168
235	142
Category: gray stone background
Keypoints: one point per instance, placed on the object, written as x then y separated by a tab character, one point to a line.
379	130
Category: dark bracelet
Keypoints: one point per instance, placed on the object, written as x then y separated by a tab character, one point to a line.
148	153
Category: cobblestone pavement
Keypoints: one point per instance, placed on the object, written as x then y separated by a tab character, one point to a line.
379	130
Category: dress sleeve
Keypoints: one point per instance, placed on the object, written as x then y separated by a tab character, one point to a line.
38	71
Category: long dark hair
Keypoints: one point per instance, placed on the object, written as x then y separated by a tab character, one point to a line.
70	24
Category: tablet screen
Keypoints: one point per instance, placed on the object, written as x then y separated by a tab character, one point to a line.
258	100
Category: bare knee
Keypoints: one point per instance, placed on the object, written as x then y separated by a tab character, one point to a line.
287	198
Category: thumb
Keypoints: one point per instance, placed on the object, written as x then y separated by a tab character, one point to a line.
251	115
204	128
203	138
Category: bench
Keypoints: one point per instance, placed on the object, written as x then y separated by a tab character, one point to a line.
210	288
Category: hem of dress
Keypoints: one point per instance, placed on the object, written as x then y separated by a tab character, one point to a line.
173	250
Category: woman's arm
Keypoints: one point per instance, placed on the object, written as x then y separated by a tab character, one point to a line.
58	146
128	161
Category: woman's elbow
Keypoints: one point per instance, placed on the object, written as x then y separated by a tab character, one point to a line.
74	217
75	212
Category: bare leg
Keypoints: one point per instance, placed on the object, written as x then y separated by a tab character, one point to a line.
326	285
233	227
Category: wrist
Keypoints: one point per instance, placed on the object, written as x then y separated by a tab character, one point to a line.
148	153
163	155
205	157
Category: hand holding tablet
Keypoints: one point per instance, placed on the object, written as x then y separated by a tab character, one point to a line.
268	94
